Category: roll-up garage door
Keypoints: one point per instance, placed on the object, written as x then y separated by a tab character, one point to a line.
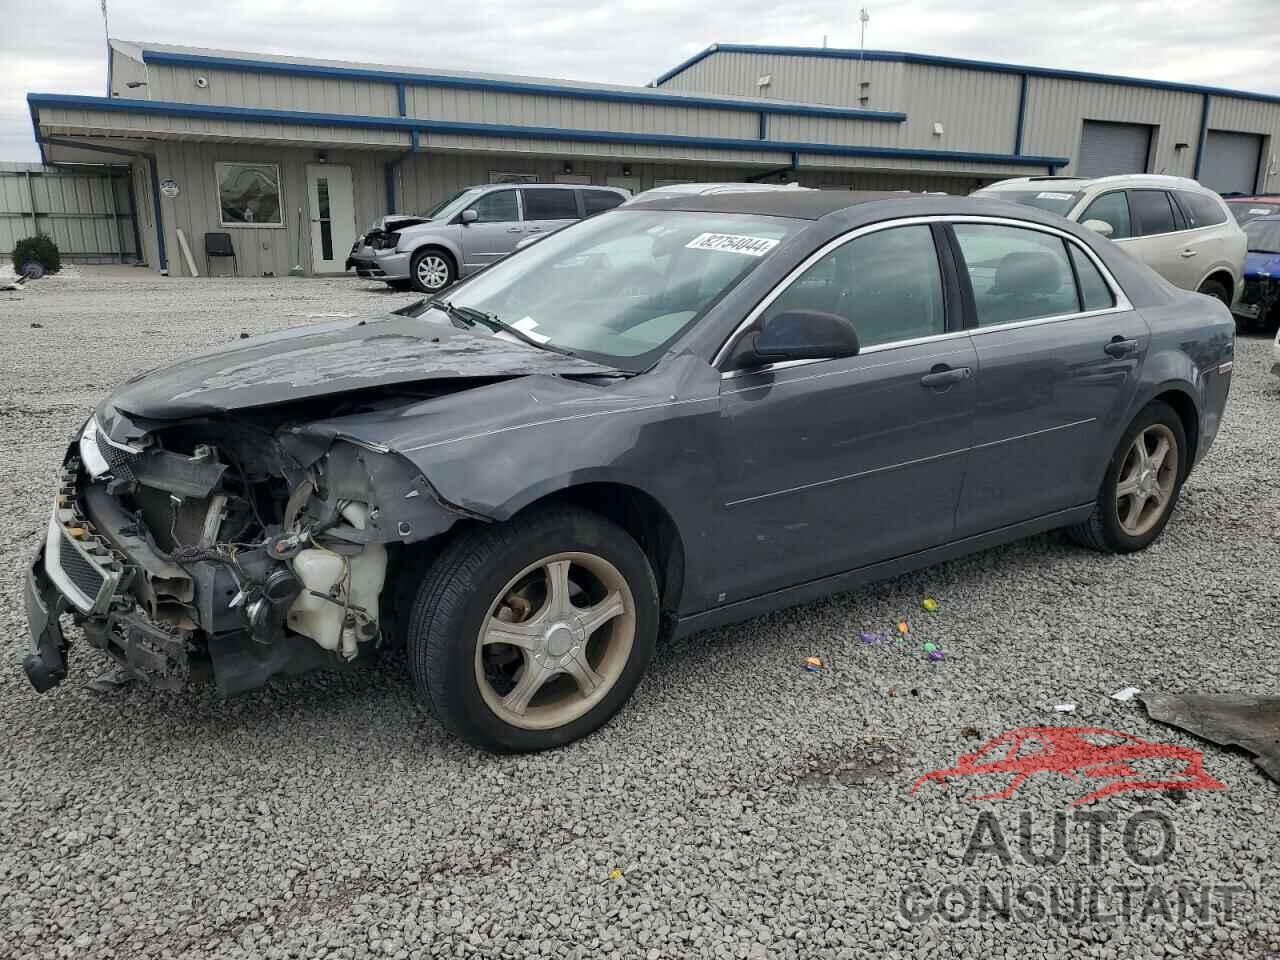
1230	161
1107	149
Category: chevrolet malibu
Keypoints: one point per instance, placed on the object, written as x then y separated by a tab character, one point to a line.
672	416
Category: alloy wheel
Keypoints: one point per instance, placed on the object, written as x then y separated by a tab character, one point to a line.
1147	480
555	640
433	272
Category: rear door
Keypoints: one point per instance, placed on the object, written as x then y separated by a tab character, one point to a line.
495	232
1059	350
547	209
598	201
831	465
1159	238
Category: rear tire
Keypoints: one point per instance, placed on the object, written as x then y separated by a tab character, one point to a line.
432	270
1217	290
530	634
1138	493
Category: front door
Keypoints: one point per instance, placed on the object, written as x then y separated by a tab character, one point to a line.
333	216
1059	354
495	231
833	465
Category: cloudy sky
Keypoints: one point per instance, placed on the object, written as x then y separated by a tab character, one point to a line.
56	46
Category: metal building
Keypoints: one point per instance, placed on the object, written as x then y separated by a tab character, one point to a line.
291	157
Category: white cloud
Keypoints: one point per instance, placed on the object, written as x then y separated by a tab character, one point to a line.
57	45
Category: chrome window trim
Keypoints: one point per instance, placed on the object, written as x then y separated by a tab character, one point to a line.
1122	303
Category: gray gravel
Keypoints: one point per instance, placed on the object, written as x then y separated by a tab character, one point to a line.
739	807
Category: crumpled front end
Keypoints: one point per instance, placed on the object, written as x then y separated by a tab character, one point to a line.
219	549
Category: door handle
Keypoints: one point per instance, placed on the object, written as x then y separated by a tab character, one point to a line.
514	230
1187	253
534	229
1120	347
944	376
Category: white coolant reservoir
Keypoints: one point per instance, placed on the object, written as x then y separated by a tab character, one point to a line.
351	581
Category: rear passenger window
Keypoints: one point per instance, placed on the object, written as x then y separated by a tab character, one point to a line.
540	204
1113	209
1152	211
1094	291
887	283
1016	274
597	201
1201	211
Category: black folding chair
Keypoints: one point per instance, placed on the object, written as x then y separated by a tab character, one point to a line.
219	245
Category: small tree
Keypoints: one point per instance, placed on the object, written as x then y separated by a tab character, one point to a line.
38	249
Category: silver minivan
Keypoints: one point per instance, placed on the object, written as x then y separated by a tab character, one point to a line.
473	228
1180	229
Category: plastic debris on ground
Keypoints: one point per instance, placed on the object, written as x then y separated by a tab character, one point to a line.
1128	693
1065	707
929	604
903	627
872	639
615	874
813	664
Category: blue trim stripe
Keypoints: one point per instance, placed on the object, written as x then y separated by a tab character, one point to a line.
513	86
412	124
988	66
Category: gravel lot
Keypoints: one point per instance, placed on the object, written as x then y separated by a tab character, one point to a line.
739	807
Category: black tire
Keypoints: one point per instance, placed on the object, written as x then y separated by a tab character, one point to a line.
1217	290
1103	530
454	601
400	285
447	271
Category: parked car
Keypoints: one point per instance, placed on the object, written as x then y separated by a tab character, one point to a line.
675	415
474	228
388	223
1256	308
1178	228
1245	208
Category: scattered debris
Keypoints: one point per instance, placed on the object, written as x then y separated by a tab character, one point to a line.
1126	694
615	874
243	335
37	326
872	639
1251	723
813	664
1065	707
933	656
114	679
929	604
903	627
13	284
971	733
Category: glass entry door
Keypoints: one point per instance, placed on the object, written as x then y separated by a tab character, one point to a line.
333	217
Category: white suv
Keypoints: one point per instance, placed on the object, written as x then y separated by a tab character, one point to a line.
1180	229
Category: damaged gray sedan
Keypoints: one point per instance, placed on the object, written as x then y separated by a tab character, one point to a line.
672	416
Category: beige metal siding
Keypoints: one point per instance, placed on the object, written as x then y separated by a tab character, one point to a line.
623	151
85	212
259	250
273	91
123	70
1057	109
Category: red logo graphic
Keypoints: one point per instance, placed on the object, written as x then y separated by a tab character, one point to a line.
1129	762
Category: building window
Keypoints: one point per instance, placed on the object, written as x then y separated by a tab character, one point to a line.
249	194
497	176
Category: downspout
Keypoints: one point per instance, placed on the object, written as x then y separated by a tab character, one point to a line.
1204	136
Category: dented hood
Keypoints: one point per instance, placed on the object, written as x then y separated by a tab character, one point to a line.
331	359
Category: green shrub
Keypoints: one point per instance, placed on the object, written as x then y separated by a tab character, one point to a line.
41	249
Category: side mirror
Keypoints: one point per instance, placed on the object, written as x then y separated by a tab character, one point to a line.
469	216
1099	226
797	335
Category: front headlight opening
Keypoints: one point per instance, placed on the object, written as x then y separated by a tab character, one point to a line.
90	450
388	241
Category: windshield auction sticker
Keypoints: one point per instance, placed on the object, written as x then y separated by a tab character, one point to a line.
732	243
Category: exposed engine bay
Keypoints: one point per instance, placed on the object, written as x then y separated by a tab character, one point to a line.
248	547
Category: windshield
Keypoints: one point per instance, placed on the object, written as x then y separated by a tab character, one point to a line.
1246	212
447	203
1263	236
1055	201
620	287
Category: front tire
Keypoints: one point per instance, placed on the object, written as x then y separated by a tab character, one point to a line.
432	270
531	634
1141	485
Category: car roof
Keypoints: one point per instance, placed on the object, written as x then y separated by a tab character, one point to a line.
1254	198
796	204
544	186
1122	179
